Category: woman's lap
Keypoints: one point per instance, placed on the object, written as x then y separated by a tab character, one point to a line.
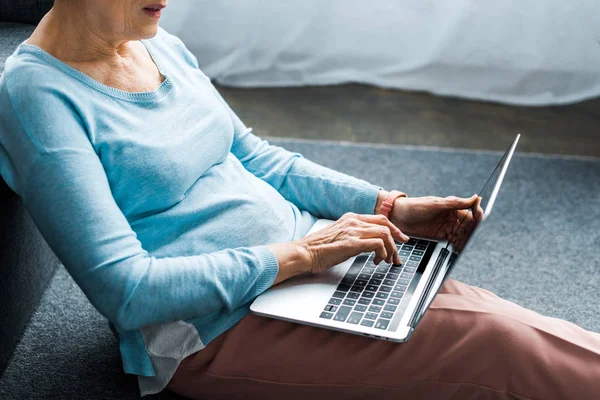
470	344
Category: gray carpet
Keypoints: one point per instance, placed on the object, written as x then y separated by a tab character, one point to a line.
540	248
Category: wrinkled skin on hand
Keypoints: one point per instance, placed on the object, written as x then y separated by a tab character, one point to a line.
443	218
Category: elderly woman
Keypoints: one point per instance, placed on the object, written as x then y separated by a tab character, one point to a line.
172	216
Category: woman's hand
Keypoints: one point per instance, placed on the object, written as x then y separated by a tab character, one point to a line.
347	237
437	217
351	235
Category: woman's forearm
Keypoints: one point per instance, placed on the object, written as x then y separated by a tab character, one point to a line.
292	258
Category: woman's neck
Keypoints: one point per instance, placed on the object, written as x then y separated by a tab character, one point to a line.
73	37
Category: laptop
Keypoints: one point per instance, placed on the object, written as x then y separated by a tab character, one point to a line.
384	301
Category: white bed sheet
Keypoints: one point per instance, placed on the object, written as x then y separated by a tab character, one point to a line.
527	52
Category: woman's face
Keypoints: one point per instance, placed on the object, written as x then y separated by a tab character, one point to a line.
125	19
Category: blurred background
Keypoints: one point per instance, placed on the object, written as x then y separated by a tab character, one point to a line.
463	74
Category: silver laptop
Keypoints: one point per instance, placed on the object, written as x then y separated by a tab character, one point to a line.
384	301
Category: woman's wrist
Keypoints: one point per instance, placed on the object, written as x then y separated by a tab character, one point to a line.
292	258
386	202
381	196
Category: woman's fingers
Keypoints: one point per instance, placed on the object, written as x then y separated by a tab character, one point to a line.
459	203
374	244
383	233
478	210
388	232
383	220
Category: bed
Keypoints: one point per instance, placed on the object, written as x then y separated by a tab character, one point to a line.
525	52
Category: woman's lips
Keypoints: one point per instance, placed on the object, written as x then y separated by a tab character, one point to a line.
153	10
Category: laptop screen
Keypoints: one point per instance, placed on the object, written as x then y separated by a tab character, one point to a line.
467	227
482	209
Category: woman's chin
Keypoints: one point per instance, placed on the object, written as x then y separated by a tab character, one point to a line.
148	31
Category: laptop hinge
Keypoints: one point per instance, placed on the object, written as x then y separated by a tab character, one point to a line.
419	310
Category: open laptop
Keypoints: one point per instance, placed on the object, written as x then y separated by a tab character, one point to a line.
384	301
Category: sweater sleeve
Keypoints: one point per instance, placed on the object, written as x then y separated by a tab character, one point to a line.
48	159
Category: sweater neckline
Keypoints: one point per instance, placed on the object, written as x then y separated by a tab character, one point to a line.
144	97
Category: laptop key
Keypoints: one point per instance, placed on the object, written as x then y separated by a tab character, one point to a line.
335	301
339	295
371	315
378	275
382	270
415	258
354	318
411	270
387	315
360	308
378	302
367	322
353	295
418	252
390	308
421	247
326	315
385	289
400	288
389	282
368	295
392	276
404	253
374	309
396	293
382	323
349	302
342	313
403	282
356	288
393	300
368	270
364	300
364	277
381	295
375	282
372	288
405	275
360	282
396	270
354	269
342	287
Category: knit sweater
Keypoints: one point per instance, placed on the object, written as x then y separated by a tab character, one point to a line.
160	204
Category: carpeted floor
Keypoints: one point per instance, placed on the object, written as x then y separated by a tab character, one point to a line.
539	249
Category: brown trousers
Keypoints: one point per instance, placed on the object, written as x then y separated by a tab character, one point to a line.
471	344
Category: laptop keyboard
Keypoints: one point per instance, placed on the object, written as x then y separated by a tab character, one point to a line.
369	294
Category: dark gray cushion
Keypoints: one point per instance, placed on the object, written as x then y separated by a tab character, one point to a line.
26	11
26	260
12	35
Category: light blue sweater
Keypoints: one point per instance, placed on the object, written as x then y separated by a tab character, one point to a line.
159	204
